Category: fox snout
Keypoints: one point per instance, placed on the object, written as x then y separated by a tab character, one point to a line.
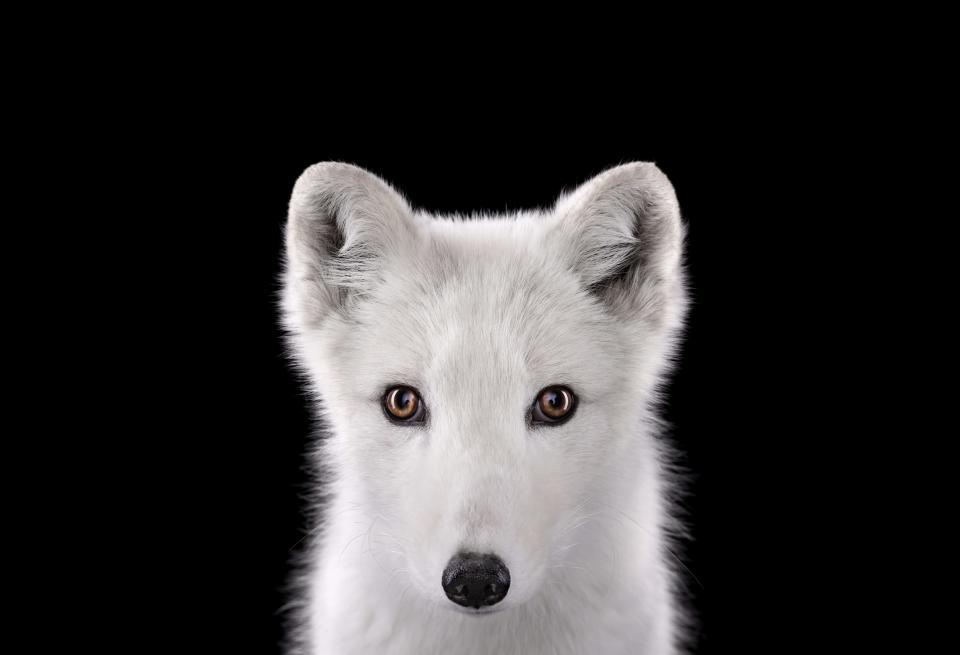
475	580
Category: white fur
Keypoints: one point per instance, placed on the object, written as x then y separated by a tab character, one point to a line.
480	314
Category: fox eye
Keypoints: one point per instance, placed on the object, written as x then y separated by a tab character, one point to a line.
403	404
553	405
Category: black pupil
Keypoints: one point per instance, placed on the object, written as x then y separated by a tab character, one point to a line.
554	399
404	399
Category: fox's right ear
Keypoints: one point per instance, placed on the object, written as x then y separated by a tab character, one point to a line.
343	221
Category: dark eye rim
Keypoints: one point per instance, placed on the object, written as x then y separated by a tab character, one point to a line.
419	417
538	418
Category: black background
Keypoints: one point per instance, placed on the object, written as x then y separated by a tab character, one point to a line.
234	424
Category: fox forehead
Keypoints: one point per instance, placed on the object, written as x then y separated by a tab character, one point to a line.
462	312
589	293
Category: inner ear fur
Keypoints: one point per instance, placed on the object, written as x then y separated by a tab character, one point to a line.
342	222
622	234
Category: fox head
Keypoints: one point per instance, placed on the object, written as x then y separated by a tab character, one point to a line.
485	380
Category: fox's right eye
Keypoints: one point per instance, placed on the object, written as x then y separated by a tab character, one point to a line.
403	404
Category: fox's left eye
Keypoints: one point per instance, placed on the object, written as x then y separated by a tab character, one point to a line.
553	405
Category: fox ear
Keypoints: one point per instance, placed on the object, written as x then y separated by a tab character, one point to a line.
623	236
343	222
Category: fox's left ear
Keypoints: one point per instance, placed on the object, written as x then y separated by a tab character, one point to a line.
621	232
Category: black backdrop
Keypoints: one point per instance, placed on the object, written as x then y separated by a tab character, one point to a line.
239	423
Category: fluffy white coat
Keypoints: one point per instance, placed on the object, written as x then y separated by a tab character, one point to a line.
479	314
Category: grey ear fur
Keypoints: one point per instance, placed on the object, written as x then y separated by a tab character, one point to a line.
342	222
623	236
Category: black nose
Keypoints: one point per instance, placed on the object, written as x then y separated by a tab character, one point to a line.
474	580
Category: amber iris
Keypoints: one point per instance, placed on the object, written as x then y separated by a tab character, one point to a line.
402	403
553	404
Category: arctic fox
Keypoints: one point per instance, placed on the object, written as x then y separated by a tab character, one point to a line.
492	478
